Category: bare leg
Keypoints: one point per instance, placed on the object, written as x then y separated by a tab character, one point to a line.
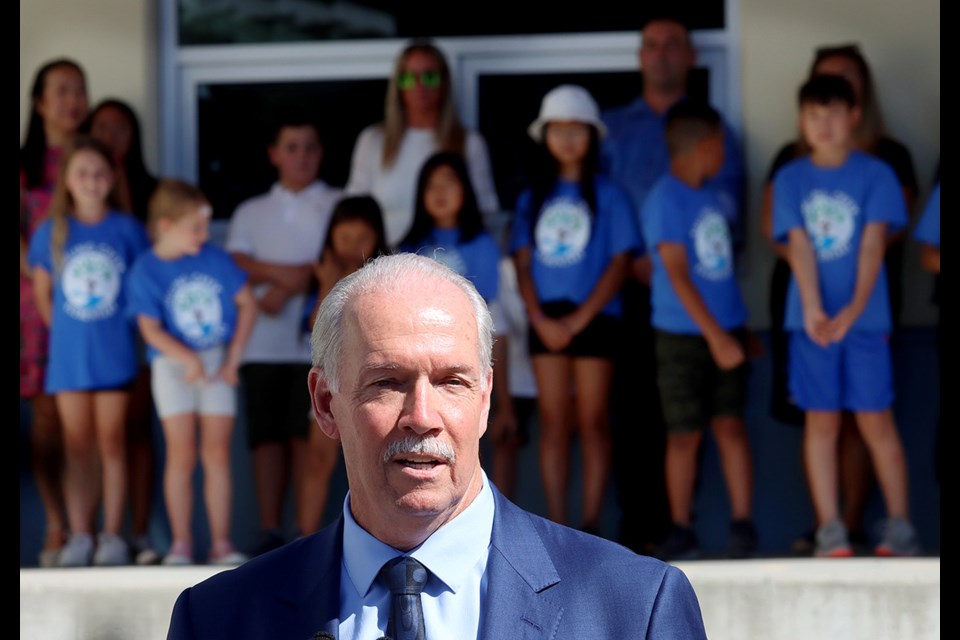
180	436
553	383
314	460
734	449
270	472
856	473
820	452
880	433
215	435
140	458
593	378
82	471
46	443
681	473
110	411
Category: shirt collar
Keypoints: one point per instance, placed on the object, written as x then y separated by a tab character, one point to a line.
278	188
450	553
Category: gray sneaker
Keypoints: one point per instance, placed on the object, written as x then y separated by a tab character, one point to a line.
143	552
112	551
899	539
832	541
77	552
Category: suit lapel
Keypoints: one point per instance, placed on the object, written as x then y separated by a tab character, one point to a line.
314	593
519	572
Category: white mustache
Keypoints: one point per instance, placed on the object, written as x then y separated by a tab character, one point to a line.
423	446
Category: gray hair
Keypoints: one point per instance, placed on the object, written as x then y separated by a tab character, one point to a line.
381	274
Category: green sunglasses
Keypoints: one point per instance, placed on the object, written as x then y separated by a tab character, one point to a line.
429	79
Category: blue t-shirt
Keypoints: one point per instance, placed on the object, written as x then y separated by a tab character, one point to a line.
477	260
634	153
571	248
193	297
927	230
92	343
833	205
677	213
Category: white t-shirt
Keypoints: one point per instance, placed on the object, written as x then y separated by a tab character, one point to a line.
395	187
287	228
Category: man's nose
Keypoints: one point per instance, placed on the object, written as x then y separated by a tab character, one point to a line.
420	410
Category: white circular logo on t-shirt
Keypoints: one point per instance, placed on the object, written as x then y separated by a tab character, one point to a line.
711	242
91	280
194	301
562	232
829	220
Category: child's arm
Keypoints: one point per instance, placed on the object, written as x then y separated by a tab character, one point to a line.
43	294
766	222
725	348
607	287
285	280
869	260
246	317
154	335
554	334
930	258
803	264
642	269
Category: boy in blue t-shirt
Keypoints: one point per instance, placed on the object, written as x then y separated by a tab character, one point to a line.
699	318
833	208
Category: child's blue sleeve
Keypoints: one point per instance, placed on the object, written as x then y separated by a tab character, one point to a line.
625	230
487	276
234	277
520	233
885	200
928	227
786	207
142	295
38	253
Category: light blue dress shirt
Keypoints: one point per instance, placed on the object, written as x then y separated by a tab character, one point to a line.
456	555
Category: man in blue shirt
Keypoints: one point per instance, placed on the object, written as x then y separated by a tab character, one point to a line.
402	377
634	153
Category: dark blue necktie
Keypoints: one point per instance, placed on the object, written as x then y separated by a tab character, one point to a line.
406	578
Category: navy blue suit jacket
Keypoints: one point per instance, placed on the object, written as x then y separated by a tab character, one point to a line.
544	581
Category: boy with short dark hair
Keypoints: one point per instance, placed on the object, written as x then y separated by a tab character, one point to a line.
834	208
699	319
276	237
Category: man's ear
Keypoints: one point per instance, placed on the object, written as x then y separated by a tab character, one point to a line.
321	397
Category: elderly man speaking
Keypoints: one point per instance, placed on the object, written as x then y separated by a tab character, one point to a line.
427	548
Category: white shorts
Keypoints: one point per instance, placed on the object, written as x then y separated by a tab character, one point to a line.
172	396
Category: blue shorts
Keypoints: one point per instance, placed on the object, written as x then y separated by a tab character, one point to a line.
855	374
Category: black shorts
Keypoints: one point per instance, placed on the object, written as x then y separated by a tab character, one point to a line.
276	402
693	390
600	339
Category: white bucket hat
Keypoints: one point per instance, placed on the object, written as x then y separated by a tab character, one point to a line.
567	102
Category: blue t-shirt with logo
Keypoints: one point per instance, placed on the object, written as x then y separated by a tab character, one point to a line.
833	205
92	343
193	297
677	213
572	247
477	260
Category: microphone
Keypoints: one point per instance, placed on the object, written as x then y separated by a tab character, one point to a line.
322	635
384	638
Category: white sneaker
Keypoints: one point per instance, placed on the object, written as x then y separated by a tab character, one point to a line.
77	552
112	551
231	559
180	554
144	553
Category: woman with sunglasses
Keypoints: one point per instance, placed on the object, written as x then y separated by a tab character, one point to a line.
420	119
848	62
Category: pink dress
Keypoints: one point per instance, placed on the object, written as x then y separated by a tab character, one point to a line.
33	332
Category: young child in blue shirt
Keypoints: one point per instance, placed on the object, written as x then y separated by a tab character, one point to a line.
196	311
699	319
572	241
834	209
79	257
